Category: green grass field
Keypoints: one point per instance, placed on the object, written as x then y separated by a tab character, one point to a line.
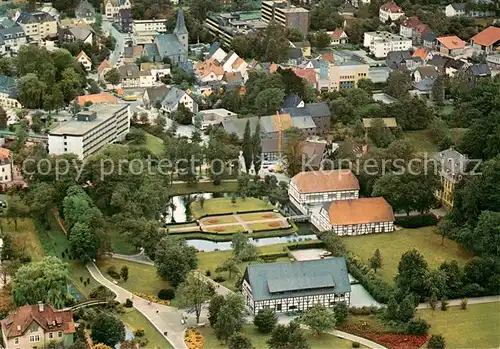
136	321
204	187
219	220
324	341
119	242
154	144
229	230
224	205
248	217
266	226
25	238
142	278
476	327
421	141
393	245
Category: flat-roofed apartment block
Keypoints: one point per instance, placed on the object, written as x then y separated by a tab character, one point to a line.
225	26
355	217
288	287
312	189
149	26
287	15
91	130
381	43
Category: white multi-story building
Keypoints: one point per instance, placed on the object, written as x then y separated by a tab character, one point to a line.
355	217
12	38
91	130
390	11
112	7
37	25
5	168
309	190
149	26
381	43
297	286
8	93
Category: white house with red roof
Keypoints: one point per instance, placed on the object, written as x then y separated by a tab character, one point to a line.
390	11
486	41
338	37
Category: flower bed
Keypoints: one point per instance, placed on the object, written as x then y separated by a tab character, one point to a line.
275	224
213	220
151	298
193	339
268	215
219	229
389	340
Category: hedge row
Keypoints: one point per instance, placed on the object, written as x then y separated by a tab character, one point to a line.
306	245
273	256
180	223
423	220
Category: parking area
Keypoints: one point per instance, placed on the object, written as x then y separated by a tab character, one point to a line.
308	255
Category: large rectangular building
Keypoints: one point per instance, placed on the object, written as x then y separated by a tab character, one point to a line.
91	130
149	26
381	43
287	15
289	287
225	26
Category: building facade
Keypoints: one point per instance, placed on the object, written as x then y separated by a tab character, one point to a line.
149	26
390	12
453	164
112	7
381	43
289	287
341	75
35	326
13	38
37	25
91	130
287	15
355	217
8	93
5	168
315	188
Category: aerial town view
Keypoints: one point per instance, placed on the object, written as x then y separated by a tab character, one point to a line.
247	174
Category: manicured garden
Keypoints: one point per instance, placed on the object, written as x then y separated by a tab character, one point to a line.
224	205
136	321
475	327
248	217
323	341
219	220
266	226
393	245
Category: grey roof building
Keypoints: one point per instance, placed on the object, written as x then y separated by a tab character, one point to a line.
8	86
292	100
85	10
452	163
286	287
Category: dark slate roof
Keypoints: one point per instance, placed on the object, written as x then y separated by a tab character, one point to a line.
169	45
8	86
452	163
306	278
430	36
454	63
294	53
157	94
237	126
424	85
438	61
481	69
172	97
395	58
459	6
13	32
296	112
187	66
291	101
319	109
84	10
213	48
180	26
34	17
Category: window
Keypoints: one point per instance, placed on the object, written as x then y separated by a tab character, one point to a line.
16	340
278	307
35	338
59	334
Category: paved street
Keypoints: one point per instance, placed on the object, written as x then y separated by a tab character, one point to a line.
120	41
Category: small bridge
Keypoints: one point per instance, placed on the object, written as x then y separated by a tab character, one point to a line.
89	303
300	218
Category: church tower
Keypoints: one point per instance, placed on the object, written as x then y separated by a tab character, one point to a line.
181	31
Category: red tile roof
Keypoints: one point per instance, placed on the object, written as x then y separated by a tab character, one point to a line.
325	181
104	65
391	7
421	52
360	211
487	37
452	42
308	74
97	98
4	153
337	33
17	322
411	22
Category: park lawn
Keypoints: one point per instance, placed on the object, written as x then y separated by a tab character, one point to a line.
203	187
266	226
224	205
142	278
475	327
323	341
154	144
421	141
219	220
248	217
119	242
231	229
25	238
393	245
136	321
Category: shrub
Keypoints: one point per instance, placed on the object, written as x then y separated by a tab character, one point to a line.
101	292
129	303
378	288
463	303
166	294
139	333
417	326
265	320
208	273
219	278
356	345
436	342
113	273
423	220
444	305
340	310
365	310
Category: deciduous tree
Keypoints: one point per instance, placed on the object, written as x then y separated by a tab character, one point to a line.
288	337
174	259
265	320
239	341
318	318
107	329
376	260
194	292
231	317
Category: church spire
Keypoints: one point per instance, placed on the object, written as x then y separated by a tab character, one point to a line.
180	26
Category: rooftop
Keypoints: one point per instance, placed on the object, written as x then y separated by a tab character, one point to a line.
451	42
487	37
452	163
325	181
359	211
278	280
98	98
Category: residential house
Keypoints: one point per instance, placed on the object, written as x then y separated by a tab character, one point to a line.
455	9
8	93
402	60
338	37
125	20
11	39
154	95
233	80
296	286
423	54
355	217
448	65
308	191
473	8
319	112
208	72
346	10
216	52
103	68
174	46
232	63
381	43
486	41
70	34
84	60
6	173
150	74
425	72
413	28
33	326
149	26
493	60
37	25
112	7
85	11
48	8
176	96
129	74
429	41
453	165
295	56
292	100
390	11
305	47
451	45
213	117
313	153
479	71
308	74
97	98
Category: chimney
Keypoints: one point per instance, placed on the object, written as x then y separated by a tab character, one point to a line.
19	327
40	307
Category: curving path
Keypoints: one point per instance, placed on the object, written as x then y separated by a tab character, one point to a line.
163	318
